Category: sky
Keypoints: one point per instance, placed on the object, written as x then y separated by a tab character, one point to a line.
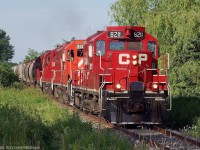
41	24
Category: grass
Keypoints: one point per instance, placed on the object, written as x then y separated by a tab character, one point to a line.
29	118
185	115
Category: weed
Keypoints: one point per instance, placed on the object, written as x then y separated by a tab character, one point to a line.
29	117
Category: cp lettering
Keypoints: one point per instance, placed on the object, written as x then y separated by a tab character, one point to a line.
126	59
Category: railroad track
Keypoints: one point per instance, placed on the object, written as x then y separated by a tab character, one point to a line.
175	140
155	137
166	139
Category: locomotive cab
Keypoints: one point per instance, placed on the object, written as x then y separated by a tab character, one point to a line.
72	62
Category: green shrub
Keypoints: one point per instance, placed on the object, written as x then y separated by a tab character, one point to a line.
185	112
29	117
7	75
81	135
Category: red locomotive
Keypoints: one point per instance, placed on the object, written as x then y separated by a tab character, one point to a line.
113	73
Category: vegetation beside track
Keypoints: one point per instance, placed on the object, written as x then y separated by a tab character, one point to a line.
185	115
29	118
7	76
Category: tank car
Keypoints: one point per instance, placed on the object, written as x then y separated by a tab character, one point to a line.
120	78
20	71
27	72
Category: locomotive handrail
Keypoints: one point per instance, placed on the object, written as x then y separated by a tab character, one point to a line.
41	79
156	69
100	66
100	94
170	98
54	75
168	60
75	71
82	70
169	88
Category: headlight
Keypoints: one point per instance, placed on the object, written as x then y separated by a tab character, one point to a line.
135	62
118	86
134	56
155	86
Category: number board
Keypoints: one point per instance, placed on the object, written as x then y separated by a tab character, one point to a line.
138	34
79	46
115	34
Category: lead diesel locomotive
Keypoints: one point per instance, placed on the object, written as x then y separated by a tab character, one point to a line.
113	73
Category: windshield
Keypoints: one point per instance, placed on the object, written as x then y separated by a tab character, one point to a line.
120	45
116	45
135	45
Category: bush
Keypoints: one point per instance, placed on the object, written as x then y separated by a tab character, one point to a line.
185	79
7	75
185	112
18	85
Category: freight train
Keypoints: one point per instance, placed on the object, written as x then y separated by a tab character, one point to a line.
113	73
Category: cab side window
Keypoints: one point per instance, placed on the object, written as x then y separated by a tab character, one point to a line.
152	47
71	55
80	52
47	60
100	47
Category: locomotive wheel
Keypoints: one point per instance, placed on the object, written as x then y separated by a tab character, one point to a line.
42	88
55	92
64	96
77	102
70	101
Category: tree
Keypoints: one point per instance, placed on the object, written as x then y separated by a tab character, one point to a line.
6	49
72	39
128	12
176	24
32	54
7	75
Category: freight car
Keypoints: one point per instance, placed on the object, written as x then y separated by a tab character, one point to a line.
113	73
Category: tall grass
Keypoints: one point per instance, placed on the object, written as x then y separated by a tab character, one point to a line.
185	115
28	117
